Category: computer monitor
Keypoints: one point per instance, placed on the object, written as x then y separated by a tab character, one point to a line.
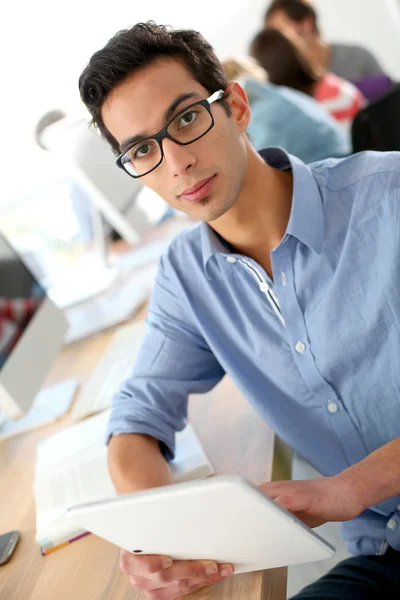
32	330
113	192
58	231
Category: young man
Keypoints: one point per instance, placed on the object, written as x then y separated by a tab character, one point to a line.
344	60
289	284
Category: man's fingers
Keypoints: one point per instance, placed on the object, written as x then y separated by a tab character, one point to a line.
224	571
163	570
160	577
274	489
293	502
179	591
145	565
188	570
175	592
150	584
292	495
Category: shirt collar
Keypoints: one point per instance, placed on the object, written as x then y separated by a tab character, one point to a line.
306	221
211	243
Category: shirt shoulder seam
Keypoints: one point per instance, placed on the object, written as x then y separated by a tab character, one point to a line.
358	180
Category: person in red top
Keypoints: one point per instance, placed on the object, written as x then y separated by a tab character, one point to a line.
288	62
15	314
340	98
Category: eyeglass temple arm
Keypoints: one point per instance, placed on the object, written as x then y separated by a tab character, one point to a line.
215	96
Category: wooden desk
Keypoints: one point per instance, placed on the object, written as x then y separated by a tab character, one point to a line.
236	440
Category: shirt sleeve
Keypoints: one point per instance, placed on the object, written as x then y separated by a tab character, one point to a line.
173	361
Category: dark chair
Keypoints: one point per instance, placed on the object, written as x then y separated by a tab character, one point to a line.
15	279
377	126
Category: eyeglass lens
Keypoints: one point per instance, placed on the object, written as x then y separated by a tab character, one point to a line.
184	129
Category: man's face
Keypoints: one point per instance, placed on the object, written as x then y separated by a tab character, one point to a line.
279	20
202	179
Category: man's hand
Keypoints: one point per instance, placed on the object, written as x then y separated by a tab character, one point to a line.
160	578
316	501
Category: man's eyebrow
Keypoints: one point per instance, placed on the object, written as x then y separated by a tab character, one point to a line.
175	103
167	115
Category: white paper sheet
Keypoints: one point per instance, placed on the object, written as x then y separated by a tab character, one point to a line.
50	404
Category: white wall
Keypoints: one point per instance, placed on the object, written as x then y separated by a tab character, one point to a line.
372	23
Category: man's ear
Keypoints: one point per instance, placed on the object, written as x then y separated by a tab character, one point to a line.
239	103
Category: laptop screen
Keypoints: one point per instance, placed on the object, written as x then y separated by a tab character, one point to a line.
53	228
20	297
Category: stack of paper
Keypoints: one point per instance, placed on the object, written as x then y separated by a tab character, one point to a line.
71	468
50	404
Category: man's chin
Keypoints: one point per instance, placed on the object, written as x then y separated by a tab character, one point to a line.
214	214
208	209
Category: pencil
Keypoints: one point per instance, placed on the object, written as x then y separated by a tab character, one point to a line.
66	543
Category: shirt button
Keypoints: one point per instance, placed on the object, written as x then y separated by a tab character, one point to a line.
264	287
283	278
332	406
300	347
231	259
392	524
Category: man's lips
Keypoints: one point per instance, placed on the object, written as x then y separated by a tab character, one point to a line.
199	190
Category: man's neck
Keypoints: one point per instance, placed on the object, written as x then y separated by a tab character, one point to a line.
257	221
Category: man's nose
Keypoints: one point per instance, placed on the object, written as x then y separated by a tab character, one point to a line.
180	159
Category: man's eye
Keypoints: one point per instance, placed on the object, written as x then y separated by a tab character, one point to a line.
142	151
187	118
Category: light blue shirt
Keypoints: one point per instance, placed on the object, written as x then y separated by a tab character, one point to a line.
287	118
315	351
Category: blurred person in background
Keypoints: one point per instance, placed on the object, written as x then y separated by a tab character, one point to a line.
284	117
349	61
288	62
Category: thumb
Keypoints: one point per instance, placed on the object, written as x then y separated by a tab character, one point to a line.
294	502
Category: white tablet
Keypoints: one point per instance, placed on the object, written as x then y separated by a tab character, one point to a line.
223	518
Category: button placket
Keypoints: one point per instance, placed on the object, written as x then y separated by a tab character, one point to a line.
323	392
265	288
392	524
332	406
300	347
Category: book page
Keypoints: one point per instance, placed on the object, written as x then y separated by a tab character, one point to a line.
68	447
189	457
72	469
86	482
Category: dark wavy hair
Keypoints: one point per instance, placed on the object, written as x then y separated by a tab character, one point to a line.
296	10
131	49
284	62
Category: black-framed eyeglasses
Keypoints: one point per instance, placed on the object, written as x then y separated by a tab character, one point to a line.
188	126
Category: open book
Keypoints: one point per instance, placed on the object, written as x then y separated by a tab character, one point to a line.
71	468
